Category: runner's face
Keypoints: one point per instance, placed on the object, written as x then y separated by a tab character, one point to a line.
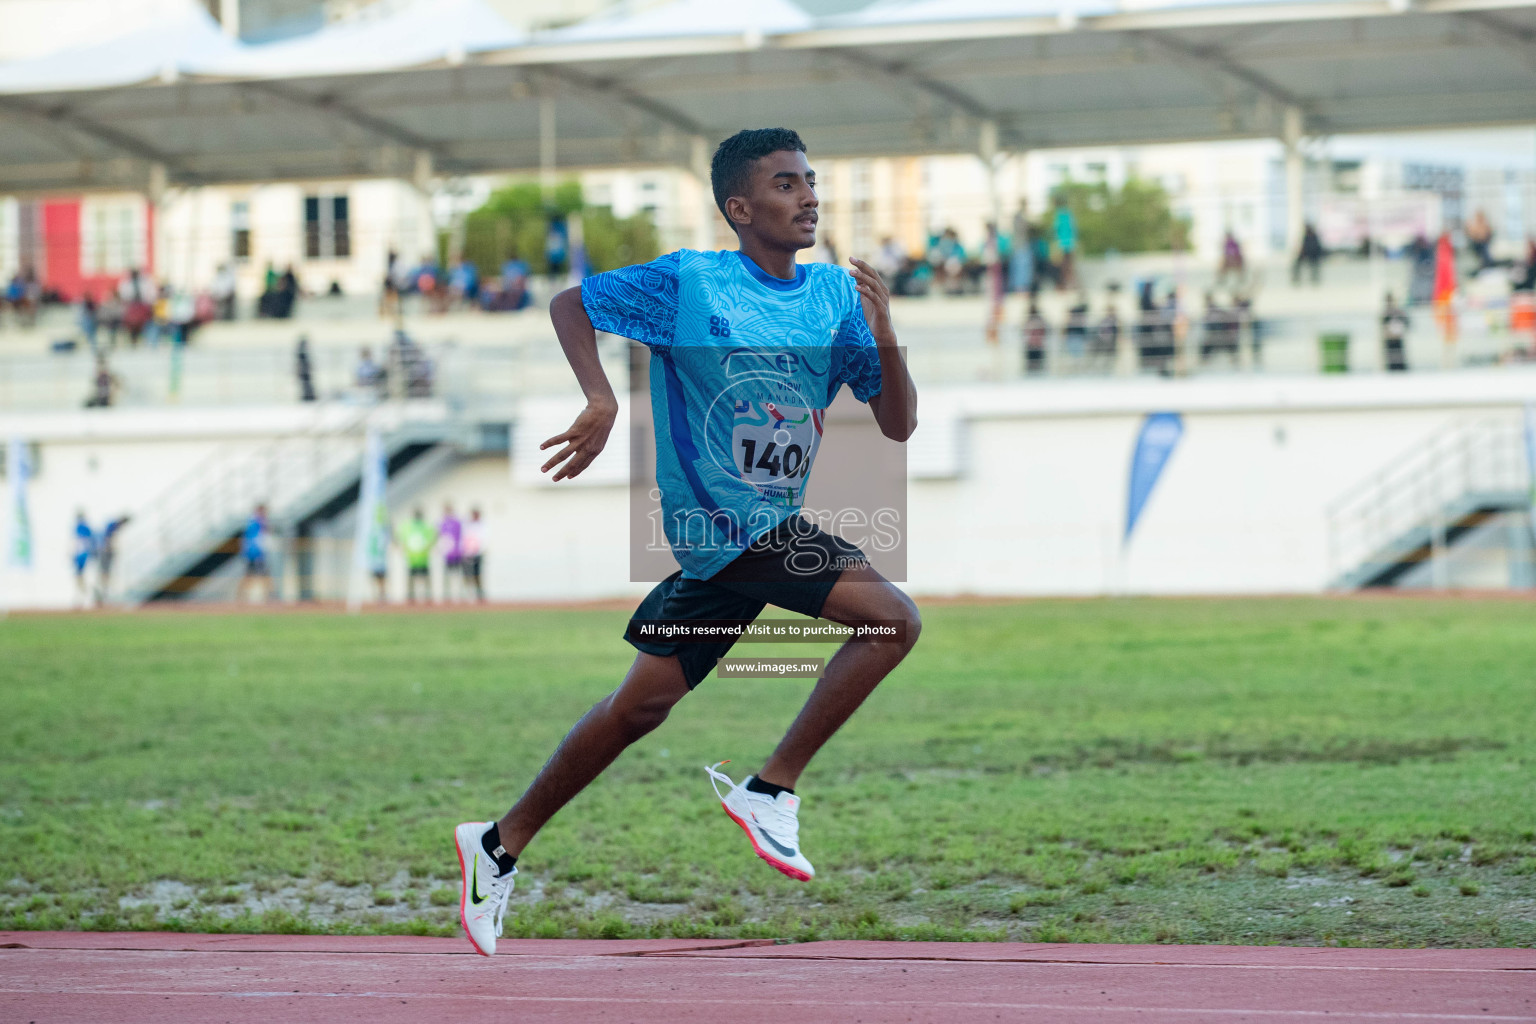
783	200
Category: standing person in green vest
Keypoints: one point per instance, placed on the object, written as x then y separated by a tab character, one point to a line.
417	539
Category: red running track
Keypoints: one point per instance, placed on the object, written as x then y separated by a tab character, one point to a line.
48	977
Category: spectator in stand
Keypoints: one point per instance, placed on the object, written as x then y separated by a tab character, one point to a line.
512	292
1421	258
281	295
1480	241
389	298
109	314
1310	253
1242	310
1036	333
288	292
85	548
183	316
417	539
25	296
464	283
891	259
106	553
136	294
85	316
1066	241
1445	291
1232	262
1021	259
255	544
223	292
1044	266
303	371
994	257
450	532
104	386
1394	332
1220	328
1075	334
1105	346
474	553
1153	336
947	257
370	376
1526	281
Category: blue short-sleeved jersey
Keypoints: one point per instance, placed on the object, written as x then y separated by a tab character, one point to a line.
743	367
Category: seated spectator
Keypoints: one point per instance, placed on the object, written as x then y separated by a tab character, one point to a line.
1104	346
1394	332
370	376
104	386
1220	330
1525	277
1075	335
1036	334
282	293
509	292
463	283
223	292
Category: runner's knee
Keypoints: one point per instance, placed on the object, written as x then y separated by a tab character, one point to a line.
640	717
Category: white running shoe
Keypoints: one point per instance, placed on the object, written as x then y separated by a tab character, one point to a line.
483	899
771	823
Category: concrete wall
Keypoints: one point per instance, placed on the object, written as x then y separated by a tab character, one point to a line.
1016	489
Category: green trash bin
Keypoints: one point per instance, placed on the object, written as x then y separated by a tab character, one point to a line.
1333	352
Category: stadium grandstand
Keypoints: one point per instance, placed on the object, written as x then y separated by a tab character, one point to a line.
250	249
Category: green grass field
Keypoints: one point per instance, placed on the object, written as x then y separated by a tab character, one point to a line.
1249	771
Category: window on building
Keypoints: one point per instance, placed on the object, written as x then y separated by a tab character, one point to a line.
111	235
327	232
240	230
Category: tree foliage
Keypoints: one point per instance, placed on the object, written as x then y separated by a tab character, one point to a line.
1137	217
515	220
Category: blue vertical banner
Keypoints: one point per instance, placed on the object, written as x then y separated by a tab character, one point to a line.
1160	434
18	468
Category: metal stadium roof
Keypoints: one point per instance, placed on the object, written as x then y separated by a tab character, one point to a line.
449	88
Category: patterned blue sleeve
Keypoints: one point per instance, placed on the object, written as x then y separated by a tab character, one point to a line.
638	302
858	357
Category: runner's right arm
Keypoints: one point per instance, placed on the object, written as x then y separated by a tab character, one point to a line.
586	438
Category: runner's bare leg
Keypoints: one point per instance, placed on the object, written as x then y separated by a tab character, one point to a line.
641	703
860	595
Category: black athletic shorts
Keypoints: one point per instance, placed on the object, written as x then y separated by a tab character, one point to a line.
792	566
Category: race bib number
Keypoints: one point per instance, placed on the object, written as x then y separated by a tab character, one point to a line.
774	447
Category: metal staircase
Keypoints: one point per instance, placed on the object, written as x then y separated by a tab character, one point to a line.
192	528
1426	500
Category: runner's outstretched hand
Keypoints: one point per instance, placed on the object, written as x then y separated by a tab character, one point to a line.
876	298
583	442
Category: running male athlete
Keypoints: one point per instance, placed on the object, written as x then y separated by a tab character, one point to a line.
747	349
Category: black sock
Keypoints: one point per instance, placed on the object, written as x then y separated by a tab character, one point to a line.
757	785
505	862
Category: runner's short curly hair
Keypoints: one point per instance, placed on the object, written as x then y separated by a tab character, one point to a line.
730	171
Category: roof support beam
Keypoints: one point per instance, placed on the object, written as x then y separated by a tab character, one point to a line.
1218	60
1517	39
338	109
611	88
910	76
115	138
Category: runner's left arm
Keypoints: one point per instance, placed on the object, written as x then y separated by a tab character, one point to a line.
895	404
